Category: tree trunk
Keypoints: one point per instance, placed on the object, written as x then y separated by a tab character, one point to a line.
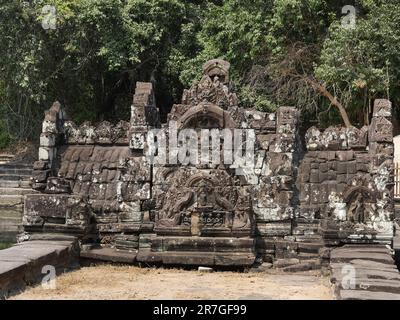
322	90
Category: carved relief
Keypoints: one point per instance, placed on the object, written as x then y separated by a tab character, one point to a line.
215	203
213	87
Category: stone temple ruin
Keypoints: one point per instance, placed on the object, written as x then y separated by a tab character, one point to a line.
301	197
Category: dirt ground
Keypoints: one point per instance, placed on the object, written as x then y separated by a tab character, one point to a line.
108	282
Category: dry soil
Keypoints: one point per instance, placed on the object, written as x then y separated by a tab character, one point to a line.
125	282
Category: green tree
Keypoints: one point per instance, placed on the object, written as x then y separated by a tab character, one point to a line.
282	52
296	52
92	59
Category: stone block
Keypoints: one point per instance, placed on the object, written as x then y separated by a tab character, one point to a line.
304	193
314	165
284	198
39	176
286	115
49	127
382	108
46	154
381	130
40	165
357	138
351	167
332	175
323	176
265	245
271	213
315	193
342	167
282	263
331	155
285	143
345	155
362	167
133	214
324	192
286	249
134	191
38	205
314	176
341	178
280	163
313	139
323	167
276	229
137	140
265	140
47	140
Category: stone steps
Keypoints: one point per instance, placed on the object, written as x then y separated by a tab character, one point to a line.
21	172
11	210
16	191
364	273
14	184
16	165
11	200
6	157
14	177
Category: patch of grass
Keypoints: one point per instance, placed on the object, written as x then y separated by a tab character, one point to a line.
5	245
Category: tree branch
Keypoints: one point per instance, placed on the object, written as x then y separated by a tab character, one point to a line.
333	100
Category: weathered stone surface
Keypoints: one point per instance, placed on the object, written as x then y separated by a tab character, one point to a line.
282	263
367	295
381	130
382	108
22	264
371	271
285	203
303	266
109	255
264	267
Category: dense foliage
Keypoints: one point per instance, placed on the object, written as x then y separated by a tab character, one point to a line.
292	52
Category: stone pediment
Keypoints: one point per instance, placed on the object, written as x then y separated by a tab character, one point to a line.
213	87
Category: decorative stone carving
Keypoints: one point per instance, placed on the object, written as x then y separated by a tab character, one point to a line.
382	108
313	139
97	182
213	87
381	130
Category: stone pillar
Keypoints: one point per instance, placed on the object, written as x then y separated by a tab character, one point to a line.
381	151
144	115
52	129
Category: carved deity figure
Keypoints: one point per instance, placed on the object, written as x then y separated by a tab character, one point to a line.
202	196
357	210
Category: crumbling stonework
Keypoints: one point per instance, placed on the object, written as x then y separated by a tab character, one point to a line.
351	189
115	186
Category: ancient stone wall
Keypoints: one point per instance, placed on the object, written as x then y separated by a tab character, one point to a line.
93	180
136	188
346	180
226	200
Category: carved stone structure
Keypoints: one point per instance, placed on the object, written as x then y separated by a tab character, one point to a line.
355	181
107	185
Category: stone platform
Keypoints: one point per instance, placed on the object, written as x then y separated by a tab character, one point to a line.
209	251
14	185
364	273
21	265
